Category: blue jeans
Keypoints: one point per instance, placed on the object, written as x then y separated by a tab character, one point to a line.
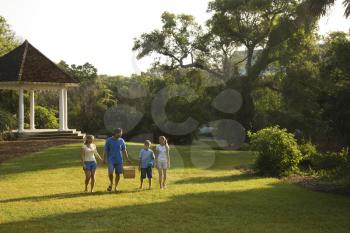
90	165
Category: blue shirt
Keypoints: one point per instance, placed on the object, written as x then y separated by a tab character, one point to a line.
113	149
146	158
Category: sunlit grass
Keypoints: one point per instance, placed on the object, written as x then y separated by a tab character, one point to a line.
42	192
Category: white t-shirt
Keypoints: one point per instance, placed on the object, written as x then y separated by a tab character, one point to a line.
89	152
162	154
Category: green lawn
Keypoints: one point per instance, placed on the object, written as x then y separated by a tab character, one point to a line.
43	193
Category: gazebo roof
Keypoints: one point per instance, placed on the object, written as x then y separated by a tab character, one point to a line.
27	64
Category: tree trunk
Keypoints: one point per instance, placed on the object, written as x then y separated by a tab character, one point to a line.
247	112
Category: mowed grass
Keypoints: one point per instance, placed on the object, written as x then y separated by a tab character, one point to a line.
42	192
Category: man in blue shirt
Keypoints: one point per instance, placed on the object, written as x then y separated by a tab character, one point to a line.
114	150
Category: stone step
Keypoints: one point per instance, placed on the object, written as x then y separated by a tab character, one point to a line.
50	132
53	137
48	135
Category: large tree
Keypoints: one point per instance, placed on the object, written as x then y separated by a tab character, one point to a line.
8	42
320	7
8	39
335	73
262	28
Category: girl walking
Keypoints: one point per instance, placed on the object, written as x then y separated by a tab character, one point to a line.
162	160
88	153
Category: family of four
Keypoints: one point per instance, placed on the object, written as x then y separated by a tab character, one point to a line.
114	151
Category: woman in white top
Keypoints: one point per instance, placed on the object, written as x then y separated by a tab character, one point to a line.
88	153
162	160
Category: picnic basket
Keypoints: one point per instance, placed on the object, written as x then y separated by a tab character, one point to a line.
129	172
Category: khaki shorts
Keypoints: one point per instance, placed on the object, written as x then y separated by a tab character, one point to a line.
162	164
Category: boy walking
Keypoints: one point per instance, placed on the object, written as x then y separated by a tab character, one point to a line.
146	163
114	150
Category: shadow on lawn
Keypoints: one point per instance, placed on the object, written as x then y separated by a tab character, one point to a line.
63	196
205	180
274	208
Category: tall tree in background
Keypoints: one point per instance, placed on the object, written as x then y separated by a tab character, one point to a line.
262	28
335	73
8	42
90	100
320	7
8	39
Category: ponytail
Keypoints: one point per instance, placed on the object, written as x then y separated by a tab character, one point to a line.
166	143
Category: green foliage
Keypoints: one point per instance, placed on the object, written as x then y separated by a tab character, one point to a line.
278	152
321	7
45	118
308	152
8	40
335	73
7	121
330	160
85	72
250	24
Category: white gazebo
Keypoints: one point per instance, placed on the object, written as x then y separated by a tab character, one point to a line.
27	69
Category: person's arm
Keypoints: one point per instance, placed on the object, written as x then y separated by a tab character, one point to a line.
153	158
97	154
82	156
156	157
140	158
125	153
168	155
105	152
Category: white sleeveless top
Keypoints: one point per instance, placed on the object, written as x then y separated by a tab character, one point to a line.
162	153
89	152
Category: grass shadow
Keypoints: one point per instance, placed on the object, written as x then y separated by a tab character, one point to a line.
64	196
206	180
276	208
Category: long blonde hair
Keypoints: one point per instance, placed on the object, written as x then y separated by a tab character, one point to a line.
88	138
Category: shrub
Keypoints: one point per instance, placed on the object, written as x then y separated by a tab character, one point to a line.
329	160
308	151
7	121
278	152
45	118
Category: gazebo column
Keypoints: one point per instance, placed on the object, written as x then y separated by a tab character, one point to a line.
21	111
65	110
32	110
61	110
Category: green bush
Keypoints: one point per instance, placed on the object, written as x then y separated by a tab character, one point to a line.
329	160
278	152
308	152
45	118
7	121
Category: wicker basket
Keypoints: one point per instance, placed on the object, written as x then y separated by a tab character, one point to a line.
129	172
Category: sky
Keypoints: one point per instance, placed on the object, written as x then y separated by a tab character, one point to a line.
102	32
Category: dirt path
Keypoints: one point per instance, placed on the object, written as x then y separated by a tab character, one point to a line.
320	185
12	149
